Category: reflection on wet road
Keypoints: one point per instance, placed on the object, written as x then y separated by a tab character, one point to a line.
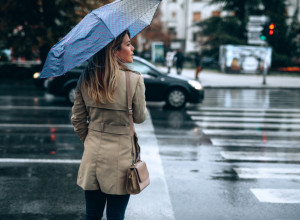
236	156
247	141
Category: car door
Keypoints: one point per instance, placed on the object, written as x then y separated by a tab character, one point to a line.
154	81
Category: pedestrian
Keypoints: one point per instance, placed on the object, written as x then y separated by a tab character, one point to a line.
100	119
169	60
179	61
198	62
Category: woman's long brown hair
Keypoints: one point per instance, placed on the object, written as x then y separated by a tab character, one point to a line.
102	73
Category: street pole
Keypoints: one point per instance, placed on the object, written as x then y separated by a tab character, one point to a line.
186	15
265	72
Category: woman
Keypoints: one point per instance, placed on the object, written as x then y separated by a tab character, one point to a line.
100	118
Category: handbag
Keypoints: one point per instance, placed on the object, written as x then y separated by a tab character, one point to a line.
137	174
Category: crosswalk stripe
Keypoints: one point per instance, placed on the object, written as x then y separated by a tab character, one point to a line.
25	160
45	97
247	125
249	129
229	132
53	108
37	125
249	109
268	173
243	114
246	119
277	195
255	143
261	156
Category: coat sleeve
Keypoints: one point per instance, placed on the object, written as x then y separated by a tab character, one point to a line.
79	117
139	102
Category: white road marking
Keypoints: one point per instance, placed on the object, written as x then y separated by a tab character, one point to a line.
255	143
241	114
9	107
45	97
245	119
37	125
247	133
277	195
25	160
157	191
261	156
262	126
248	109
268	173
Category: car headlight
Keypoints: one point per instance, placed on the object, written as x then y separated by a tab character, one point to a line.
36	75
195	84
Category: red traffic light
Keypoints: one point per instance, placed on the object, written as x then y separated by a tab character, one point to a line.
272	26
271	29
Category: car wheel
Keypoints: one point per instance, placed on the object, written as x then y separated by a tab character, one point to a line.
176	98
70	94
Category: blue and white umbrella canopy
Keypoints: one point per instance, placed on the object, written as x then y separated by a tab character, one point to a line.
95	31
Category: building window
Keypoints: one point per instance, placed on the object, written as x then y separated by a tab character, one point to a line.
216	14
195	36
197	16
173	14
172	33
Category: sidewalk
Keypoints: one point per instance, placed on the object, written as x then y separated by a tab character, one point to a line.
214	79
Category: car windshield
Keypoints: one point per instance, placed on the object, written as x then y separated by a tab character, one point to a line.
138	67
142	66
147	63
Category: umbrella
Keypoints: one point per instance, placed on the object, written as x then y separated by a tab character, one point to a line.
95	31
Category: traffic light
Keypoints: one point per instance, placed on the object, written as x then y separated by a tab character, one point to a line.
263	37
271	28
268	32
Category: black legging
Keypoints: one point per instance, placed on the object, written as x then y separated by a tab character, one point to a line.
95	202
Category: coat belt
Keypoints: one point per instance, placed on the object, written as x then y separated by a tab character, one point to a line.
107	128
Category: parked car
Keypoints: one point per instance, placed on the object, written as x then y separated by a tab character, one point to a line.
175	90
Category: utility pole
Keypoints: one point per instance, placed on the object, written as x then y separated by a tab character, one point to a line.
186	15
265	72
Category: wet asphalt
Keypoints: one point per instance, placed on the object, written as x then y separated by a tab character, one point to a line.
235	156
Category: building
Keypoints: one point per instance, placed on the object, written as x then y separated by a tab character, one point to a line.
179	17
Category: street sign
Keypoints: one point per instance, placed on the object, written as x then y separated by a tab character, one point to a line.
254	27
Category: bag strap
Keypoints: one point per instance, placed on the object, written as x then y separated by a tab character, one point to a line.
130	112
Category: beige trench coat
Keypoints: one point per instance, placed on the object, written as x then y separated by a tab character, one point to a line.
104	130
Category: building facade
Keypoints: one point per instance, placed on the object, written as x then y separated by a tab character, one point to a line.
180	16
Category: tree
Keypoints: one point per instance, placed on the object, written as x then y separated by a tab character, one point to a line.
215	29
155	32
29	27
240	10
280	41
236	24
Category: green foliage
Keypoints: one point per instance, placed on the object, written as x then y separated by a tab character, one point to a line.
233	29
280	60
220	31
280	40
28	26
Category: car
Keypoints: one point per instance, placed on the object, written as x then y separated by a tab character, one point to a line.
175	90
37	81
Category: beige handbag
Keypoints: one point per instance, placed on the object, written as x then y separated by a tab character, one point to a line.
137	174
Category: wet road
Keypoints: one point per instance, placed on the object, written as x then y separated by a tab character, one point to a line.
236	156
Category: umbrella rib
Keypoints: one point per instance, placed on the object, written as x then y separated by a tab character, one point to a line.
103	23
